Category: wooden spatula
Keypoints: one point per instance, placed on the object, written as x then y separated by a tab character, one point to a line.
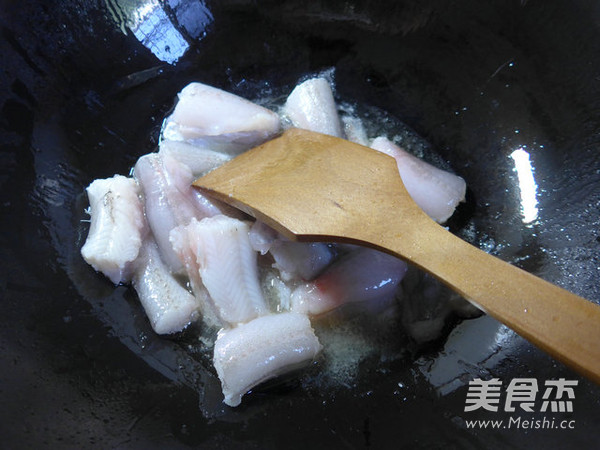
314	187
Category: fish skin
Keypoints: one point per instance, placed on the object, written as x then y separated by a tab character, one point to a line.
168	305
362	276
262	349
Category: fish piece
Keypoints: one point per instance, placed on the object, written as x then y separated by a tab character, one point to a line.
180	176
354	130
211	115
311	106
364	275
200	160
182	242
261	349
228	267
168	305
277	292
436	191
300	260
294	260
117	227
169	200
262	237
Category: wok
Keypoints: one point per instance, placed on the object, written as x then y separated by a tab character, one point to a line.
84	87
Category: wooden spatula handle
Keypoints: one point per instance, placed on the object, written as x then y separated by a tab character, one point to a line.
559	322
311	187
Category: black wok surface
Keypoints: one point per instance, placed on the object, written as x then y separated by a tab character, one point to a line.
82	95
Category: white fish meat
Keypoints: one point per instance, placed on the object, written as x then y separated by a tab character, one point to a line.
117	227
208	114
168	305
169	200
228	267
262	237
436	191
264	348
311	106
354	130
200	160
183	245
300	260
277	292
181	177
364	275
293	260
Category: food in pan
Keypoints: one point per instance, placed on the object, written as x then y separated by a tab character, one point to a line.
190	257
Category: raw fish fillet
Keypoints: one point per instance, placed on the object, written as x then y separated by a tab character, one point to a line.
168	305
228	267
364	275
294	260
311	106
169	200
262	237
199	159
262	349
117	227
183	245
354	130
301	260
207	112
436	191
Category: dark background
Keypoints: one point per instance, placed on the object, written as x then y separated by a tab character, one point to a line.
81	98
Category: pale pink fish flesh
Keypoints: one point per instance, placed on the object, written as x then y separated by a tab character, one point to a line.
182	244
169	200
262	237
261	349
117	227
228	267
301	260
168	305
436	191
200	160
210	115
364	275
293	260
311	106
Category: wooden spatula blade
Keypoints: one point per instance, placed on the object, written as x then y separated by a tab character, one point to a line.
320	197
